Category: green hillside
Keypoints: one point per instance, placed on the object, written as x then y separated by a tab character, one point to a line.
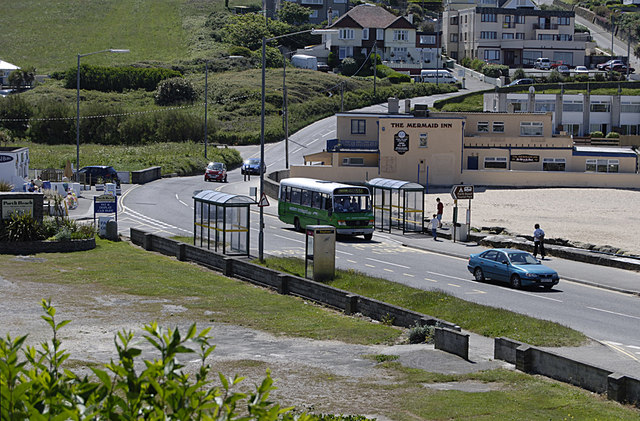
50	33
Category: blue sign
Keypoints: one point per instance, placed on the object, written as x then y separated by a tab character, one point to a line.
6	158
106	203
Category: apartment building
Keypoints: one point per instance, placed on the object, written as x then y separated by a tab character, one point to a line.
511	32
575	114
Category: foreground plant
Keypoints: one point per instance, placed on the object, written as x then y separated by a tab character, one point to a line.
37	387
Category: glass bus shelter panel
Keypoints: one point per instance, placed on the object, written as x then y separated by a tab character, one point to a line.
413	211
382	209
396	209
237	230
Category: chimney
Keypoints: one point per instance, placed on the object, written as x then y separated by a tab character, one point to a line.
409	17
329	16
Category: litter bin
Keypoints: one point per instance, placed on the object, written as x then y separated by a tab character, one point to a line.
462	231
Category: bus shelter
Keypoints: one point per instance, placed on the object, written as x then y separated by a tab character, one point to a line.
222	219
397	204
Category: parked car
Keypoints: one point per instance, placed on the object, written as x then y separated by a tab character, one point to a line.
216	171
581	70
606	65
517	267
253	166
542	63
93	173
525	81
563	69
621	68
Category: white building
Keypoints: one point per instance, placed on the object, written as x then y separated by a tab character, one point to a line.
14	165
5	71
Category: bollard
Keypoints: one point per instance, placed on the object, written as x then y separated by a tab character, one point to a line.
112	231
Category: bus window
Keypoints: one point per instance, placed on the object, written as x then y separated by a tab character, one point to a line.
327	202
295	196
316	200
341	204
306	198
354	206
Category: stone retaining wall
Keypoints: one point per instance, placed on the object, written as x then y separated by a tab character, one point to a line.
146	175
33	247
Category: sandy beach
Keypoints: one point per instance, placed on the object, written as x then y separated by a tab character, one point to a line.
596	216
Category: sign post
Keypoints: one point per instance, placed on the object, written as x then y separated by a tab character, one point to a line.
461	191
105	203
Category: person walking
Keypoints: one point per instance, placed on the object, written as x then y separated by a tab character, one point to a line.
434	227
440	211
538	241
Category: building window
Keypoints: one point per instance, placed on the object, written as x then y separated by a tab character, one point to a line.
346	33
496	162
519	35
492	55
353	161
311	2
358	126
453	37
465	18
520	105
546	37
313	14
553	164
489	17
507	35
400	35
498	126
488	35
465	36
572	129
565	37
563	20
508	22
602	165
365	33
453	20
531	128
572	106
630	107
379	34
454	55
543	106
427	39
483	126
630	129
600	107
345	52
519	18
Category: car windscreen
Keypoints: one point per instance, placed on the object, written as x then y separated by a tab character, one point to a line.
522	259
216	166
351	203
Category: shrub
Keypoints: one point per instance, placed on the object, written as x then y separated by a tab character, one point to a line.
397	77
236	50
15	112
599	77
349	66
383	71
5	186
110	79
581	78
613	135
596	134
554	77
174	91
333	60
22	227
466	62
421	334
477	64
495	70
37	385
519	74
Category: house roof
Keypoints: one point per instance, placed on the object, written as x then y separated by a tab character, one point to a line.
366	16
7	66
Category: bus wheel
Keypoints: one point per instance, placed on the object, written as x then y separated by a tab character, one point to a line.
368	237
296	224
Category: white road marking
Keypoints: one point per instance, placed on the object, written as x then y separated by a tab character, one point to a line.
368	265
351	261
409	275
178	199
454	285
388	270
388	263
448	276
430	280
613	312
536	295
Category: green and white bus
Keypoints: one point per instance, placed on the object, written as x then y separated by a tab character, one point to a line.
305	201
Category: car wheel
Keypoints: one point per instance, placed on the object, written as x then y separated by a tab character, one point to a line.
205	179
225	179
296	224
478	275
515	282
368	237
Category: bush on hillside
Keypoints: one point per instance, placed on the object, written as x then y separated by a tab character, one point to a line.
174	91
495	70
15	113
349	66
397	77
236	50
117	79
383	71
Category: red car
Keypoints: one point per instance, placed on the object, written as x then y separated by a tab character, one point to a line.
216	171
621	68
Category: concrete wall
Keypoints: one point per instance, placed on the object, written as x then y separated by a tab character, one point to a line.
452	342
146	175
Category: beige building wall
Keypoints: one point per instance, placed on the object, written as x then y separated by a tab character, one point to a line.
326	172
549	179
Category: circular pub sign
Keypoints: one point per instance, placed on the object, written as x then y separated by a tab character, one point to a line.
401	142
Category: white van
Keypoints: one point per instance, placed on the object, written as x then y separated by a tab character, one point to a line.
542	63
437	76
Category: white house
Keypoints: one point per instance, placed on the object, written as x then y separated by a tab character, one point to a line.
5	71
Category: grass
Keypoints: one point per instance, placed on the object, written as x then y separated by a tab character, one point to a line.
120	268
181	158
480	319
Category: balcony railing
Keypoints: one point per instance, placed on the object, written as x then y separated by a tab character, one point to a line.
545	26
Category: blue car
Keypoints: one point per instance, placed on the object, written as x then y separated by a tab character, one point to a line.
517	267
253	166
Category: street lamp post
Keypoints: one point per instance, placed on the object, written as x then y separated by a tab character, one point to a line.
262	115
110	50
206	101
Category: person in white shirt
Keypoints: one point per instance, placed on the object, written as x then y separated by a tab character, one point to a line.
434	226
538	241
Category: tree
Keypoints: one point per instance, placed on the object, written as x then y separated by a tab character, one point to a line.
174	90
246	31
15	112
293	13
22	77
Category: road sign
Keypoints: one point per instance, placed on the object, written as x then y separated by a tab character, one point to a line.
105	203
462	191
263	201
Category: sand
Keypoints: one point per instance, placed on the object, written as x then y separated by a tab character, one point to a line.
596	216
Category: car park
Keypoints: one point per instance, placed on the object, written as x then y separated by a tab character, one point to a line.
216	171
253	166
517	267
542	63
524	81
93	173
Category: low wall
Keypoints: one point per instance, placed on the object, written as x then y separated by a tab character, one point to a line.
529	359
550	178
33	247
452	342
146	175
